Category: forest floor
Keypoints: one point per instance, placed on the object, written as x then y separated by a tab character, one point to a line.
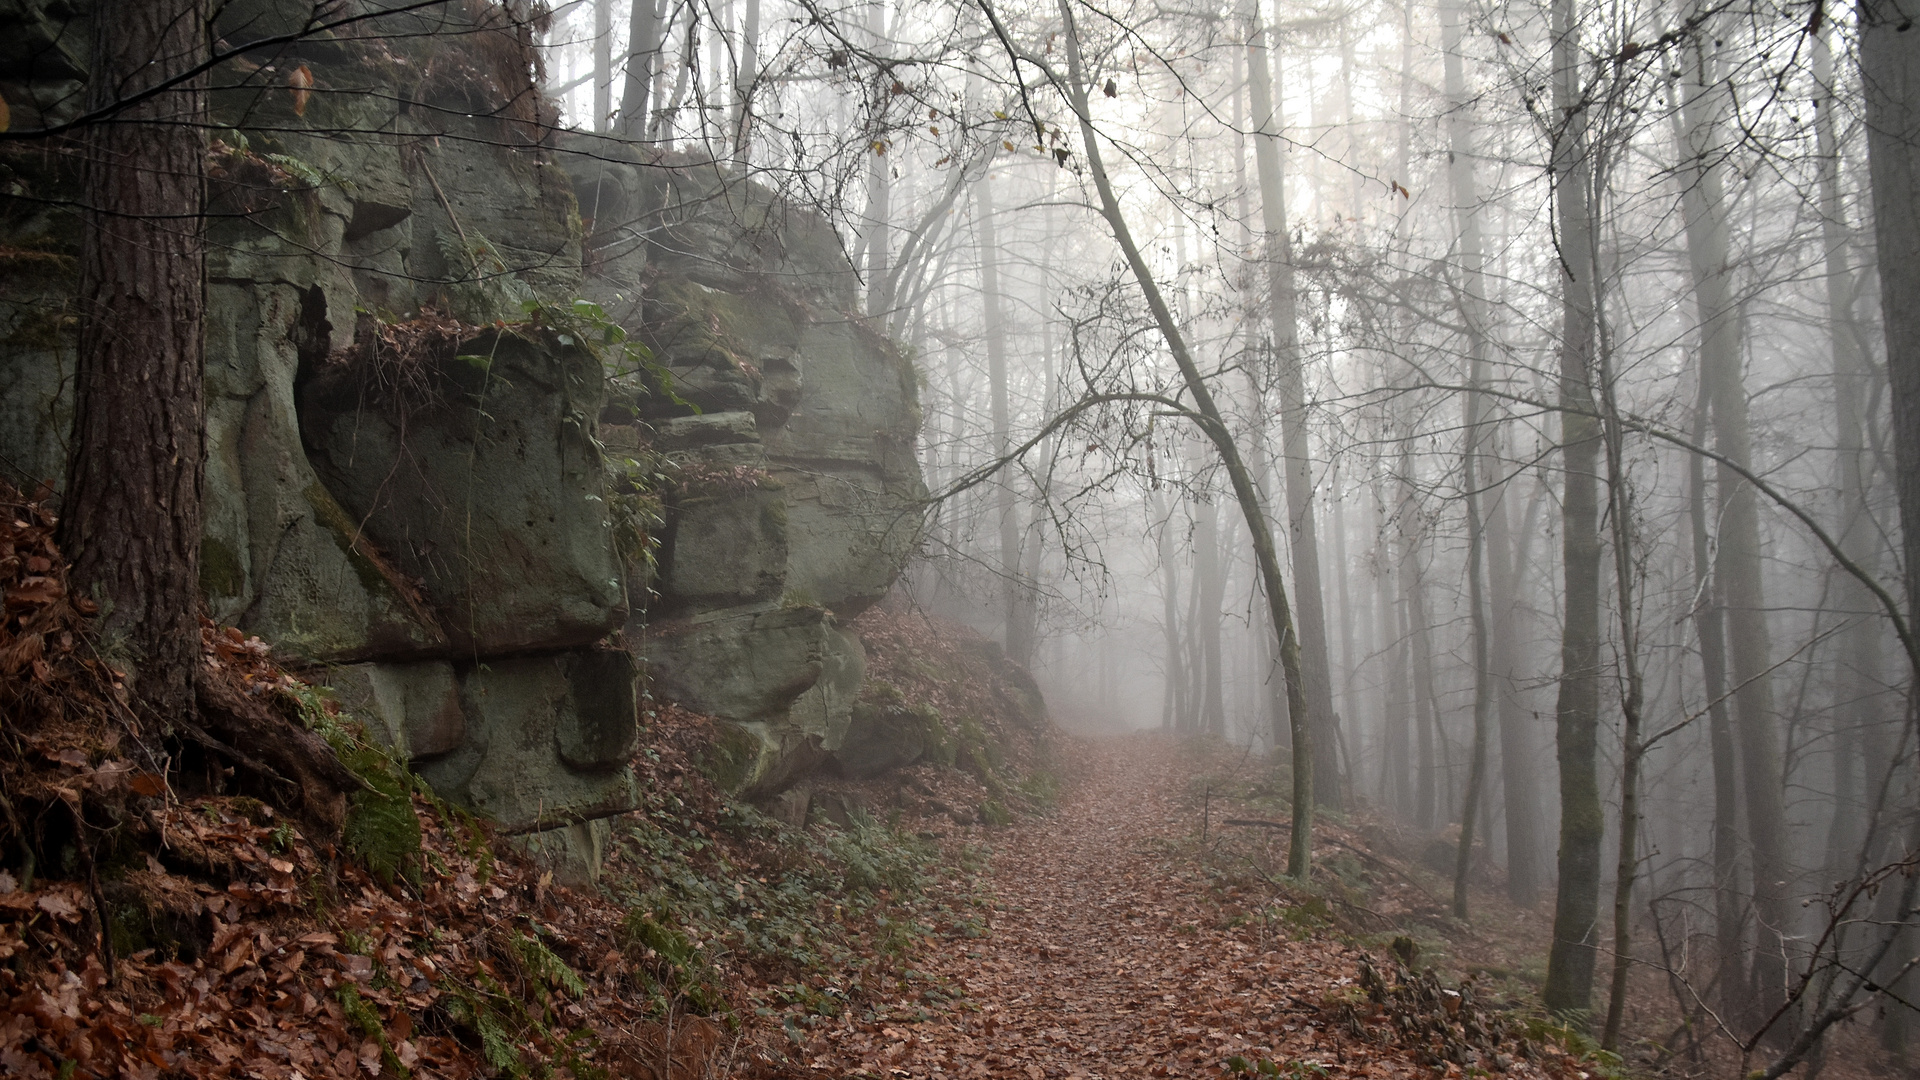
1112	950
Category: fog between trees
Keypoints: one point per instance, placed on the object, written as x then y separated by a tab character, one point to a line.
1498	412
1396	240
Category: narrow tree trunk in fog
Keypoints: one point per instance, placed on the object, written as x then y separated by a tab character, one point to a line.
1207	416
1473	314
1519	785
1737	570
1303	545
878	239
1174	704
1210	590
1342	574
1413	587
1569	989
745	81
131	514
1621	521
1859	686
643	53
602	63
1018	646
1709	623
1396	738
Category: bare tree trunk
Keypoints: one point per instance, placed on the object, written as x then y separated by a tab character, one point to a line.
1859	687
1519	785
1173	706
643	56
131	515
1738	567
1413	588
602	63
1008	564
1569	989
1890	73
1206	415
1620	516
1473	312
1303	544
745	82
1210	591
1349	615
1396	740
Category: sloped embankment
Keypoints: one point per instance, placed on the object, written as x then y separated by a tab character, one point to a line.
163	914
947	731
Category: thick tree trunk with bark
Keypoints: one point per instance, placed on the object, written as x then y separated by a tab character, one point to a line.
1890	73
1569	989
131	513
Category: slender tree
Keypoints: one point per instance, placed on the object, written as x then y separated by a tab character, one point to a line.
1282	297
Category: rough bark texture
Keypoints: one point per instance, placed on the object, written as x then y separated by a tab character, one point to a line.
132	509
1569	989
1890	72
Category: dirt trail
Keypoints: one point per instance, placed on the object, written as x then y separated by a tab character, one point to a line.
1106	957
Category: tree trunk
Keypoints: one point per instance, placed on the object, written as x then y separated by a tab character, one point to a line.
1019	645
1569	989
1890	72
1303	545
1860	686
602	63
131	515
1174	703
1206	415
745	80
643	54
1210	591
1621	521
1519	785
1413	589
1473	314
1738	567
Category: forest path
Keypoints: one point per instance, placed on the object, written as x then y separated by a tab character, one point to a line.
1108	955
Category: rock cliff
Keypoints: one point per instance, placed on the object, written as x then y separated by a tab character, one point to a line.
417	463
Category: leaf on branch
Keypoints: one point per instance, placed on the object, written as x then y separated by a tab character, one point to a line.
1112	89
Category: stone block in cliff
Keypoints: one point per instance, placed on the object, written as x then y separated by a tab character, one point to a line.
547	740
748	302
784	680
413	709
737	664
725	549
884	737
487	488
